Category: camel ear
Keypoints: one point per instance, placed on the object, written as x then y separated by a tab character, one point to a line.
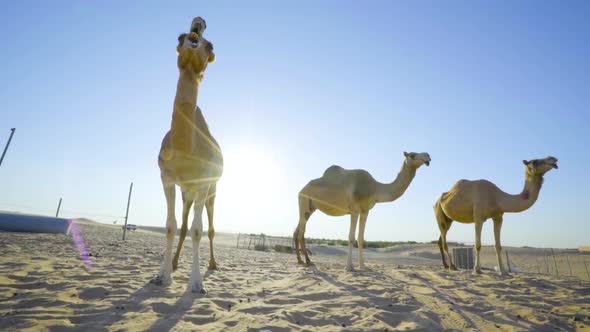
181	38
405	154
526	163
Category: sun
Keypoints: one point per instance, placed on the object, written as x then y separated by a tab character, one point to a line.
251	174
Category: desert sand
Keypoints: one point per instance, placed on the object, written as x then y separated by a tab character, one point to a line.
45	285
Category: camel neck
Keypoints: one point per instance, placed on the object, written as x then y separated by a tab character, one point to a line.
524	200
187	88
185	105
388	192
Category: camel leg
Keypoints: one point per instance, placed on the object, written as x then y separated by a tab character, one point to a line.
354	217
497	228
446	247
442	253
444	224
478	227
301	235
196	280
305	252
164	277
186	207
305	211
297	242
362	224
210	208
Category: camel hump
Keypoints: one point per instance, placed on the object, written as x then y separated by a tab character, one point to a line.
334	169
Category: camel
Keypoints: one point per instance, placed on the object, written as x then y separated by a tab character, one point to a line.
341	191
189	158
473	202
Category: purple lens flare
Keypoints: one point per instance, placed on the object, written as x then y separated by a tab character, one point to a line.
80	244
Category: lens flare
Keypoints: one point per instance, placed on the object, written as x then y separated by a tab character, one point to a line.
80	244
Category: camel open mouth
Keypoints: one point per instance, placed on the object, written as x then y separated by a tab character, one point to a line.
427	163
193	40
553	164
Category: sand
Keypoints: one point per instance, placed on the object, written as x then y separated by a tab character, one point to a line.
44	285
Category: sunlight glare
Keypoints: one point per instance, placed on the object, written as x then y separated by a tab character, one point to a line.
251	175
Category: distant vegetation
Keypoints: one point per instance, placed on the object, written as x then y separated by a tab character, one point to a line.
451	243
367	244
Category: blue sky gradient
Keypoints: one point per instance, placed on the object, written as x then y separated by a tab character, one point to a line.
297	87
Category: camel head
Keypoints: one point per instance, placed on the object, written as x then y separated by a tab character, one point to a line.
417	159
198	25
194	53
540	166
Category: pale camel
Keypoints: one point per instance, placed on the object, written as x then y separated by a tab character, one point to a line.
189	157
340	191
476	201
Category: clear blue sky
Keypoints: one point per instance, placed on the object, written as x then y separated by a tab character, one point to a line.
89	85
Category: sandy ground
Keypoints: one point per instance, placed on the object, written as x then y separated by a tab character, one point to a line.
44	285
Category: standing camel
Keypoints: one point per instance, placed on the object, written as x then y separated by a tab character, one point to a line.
341	191
189	157
473	202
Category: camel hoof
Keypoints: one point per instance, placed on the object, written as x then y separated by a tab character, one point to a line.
213	266
476	272
309	263
350	269
161	281
198	288
453	268
300	262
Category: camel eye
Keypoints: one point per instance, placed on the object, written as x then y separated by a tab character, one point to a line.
536	163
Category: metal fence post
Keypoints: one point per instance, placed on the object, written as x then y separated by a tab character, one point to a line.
555	262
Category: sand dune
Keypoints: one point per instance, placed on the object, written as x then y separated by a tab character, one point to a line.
44	285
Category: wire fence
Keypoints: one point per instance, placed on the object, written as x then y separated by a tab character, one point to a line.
264	242
560	263
549	261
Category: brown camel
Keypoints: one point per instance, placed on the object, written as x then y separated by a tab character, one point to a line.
341	191
473	202
189	157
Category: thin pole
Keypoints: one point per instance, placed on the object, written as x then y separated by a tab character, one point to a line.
58	206
238	242
127	213
568	263
508	262
555	261
7	144
538	268
546	260
588	273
